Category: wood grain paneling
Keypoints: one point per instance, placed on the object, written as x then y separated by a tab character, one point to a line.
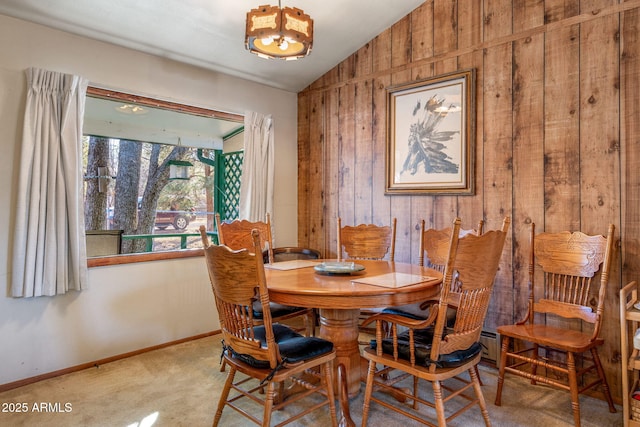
347	158
331	178
630	152
497	164
423	24
630	145
363	170
381	60
600	149
316	171
557	141
528	133
470	28
445	39
401	37
304	179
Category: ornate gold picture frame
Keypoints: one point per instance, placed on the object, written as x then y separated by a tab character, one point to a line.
430	129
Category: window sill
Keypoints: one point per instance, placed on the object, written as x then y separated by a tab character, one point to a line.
142	257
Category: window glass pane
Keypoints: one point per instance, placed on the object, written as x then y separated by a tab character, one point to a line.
155	176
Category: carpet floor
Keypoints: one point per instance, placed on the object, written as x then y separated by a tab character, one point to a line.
180	385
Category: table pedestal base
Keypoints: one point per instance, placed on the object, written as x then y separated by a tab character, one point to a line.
341	328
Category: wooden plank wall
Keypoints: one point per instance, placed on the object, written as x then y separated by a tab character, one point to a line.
557	134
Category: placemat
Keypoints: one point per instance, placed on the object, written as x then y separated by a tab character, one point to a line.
393	280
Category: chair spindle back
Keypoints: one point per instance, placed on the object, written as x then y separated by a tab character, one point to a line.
366	241
236	234
238	279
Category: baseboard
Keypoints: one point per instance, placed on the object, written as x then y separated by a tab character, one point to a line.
37	378
490	346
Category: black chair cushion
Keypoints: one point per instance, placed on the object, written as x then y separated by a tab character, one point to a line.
413	311
288	253
404	311
277	310
293	346
422	341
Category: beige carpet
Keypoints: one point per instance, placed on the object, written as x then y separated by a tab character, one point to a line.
179	386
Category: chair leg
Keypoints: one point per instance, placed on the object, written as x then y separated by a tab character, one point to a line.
473	373
268	403
439	403
603	378
573	387
475	368
415	392
534	366
310	323
224	395
367	392
503	364
280	395
327	371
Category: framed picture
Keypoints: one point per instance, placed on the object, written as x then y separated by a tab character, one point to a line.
430	129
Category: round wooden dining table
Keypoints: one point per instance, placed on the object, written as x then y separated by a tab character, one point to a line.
339	298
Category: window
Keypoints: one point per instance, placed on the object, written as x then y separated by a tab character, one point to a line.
158	170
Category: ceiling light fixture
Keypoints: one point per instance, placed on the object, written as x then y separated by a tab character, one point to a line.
130	109
276	32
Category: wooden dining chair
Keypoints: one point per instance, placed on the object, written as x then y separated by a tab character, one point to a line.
237	235
429	349
268	353
564	315
366	241
434	252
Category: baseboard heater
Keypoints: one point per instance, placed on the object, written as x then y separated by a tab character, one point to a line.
490	346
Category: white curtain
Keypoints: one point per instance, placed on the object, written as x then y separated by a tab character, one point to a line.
49	251
256	187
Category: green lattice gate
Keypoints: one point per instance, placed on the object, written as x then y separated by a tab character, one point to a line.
228	176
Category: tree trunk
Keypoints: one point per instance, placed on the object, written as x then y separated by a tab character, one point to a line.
125	215
95	205
157	179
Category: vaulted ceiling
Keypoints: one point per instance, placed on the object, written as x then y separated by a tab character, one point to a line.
210	33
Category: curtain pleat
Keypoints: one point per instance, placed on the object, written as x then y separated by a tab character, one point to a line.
49	251
256	187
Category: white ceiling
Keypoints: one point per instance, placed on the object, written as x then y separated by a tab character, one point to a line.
210	33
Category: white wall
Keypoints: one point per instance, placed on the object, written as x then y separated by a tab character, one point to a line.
131	306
